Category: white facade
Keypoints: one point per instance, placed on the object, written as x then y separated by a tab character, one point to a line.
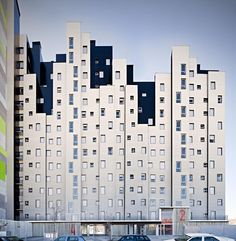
90	159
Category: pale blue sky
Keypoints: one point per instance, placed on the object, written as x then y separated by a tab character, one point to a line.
143	32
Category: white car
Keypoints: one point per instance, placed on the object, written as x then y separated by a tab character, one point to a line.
203	237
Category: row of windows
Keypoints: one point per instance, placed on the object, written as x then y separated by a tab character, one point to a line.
50	191
191	99
192	125
193	202
37	178
212	190
37	203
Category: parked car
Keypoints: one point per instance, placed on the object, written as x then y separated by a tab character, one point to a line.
201	237
10	238
134	237
70	238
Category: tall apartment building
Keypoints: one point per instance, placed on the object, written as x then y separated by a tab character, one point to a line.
9	27
93	144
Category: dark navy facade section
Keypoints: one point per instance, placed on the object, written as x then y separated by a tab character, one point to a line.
146	98
100	61
43	71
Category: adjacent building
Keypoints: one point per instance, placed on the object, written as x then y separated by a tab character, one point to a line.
91	143
9	28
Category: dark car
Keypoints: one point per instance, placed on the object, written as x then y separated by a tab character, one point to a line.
10	238
133	237
70	238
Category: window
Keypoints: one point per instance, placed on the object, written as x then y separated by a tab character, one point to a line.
75	71
117	74
162	140
162	126
191	177
101	74
191	100
161	113
110	125
19	65
152	178
71	99
162	87
183	193
219	177
20	50
183	83
59	153
212	190
178	125
191	113
153	152
58	89
178	97
110	99
103	112
162	152
110	202
75	110
152	139
140	137
191	126
83	62
162	190
75	85
117	113
85	101
70	167
191	164
220	125
162	165
162	178
144	94
183	111
191	152
183	69
191	73
212	164
85	75
191	190
220	99
38	152
191	87
58	115
183	139
212	138
48	152
75	153
183	152
219	151
212	112
108	62
110	150
178	166
71	57
213	85
110	177
162	99
71	126
139	189
71	42
103	138
85	49
219	202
